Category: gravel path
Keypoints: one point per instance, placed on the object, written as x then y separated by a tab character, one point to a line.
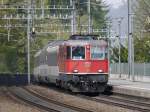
9	105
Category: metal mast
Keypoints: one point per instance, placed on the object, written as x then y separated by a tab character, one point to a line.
129	43
119	38
89	16
42	8
73	18
28	40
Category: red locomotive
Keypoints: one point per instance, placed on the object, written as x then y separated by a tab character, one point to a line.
79	64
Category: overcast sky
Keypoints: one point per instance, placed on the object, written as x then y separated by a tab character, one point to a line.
117	9
115	3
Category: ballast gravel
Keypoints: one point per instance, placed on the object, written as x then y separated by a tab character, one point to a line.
75	100
7	104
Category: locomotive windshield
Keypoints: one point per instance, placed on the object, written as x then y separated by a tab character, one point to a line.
83	37
78	52
98	52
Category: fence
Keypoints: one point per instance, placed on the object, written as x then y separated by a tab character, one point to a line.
142	69
13	79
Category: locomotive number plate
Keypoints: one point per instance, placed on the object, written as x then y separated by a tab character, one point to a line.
87	64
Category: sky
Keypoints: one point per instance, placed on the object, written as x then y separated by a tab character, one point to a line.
115	3
117	9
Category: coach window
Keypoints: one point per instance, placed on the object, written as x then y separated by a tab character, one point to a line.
78	52
68	52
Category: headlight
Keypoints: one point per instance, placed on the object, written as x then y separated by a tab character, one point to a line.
75	71
100	71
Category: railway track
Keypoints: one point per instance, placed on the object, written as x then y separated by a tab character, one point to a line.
119	101
125	101
42	102
141	101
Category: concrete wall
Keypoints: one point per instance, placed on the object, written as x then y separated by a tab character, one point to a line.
141	71
140	78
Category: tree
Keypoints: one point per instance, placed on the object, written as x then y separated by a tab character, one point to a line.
17	46
99	12
115	54
12	49
142	31
142	49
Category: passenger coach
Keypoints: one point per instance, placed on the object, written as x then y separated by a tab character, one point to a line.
79	64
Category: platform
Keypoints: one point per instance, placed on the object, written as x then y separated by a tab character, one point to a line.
129	87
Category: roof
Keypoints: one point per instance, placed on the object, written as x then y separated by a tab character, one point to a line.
75	41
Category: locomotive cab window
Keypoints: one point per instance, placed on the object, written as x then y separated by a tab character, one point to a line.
98	52
78	52
68	52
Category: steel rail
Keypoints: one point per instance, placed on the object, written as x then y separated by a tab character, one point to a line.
41	103
31	103
135	99
55	102
124	103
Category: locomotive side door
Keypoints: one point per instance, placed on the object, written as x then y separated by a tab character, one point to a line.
61	59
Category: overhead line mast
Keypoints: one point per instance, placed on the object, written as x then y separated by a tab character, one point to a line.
89	16
30	8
